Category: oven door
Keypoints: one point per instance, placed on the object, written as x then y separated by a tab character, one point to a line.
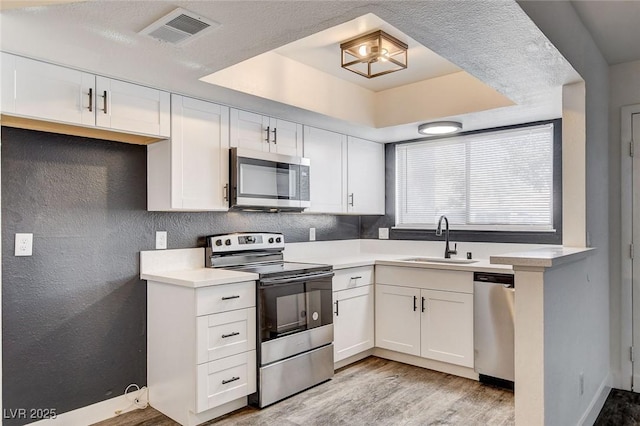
292	305
269	180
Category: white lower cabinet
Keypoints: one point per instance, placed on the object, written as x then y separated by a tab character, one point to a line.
417	315
201	349
352	322
398	319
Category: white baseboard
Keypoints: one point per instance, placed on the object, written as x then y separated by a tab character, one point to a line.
90	414
591	414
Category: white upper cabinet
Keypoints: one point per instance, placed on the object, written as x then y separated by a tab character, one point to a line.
365	176
37	90
48	92
347	173
328	185
132	108
191	170
262	133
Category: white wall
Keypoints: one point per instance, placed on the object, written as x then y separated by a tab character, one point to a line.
561	24
624	89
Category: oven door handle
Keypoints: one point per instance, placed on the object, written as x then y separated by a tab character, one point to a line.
296	279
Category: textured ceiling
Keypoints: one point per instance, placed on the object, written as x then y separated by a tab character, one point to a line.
614	26
494	41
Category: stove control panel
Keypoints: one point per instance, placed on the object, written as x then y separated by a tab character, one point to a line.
244	241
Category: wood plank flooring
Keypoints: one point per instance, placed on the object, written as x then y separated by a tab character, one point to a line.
374	391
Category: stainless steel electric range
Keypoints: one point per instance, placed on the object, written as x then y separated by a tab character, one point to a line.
294	313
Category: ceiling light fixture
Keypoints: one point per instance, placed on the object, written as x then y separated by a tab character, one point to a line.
440	128
374	54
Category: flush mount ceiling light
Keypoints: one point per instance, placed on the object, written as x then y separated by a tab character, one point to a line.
439	128
374	54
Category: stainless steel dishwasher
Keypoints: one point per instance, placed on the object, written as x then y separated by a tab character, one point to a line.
493	323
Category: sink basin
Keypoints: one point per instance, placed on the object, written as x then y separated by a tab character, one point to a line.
440	260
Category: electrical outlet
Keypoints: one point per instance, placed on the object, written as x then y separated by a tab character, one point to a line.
312	234
161	240
383	233
581	383
24	245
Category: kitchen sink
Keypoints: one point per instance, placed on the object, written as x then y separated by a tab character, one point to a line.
439	260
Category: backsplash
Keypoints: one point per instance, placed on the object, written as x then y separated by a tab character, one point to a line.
74	314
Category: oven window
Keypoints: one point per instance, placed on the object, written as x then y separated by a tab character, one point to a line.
264	179
288	309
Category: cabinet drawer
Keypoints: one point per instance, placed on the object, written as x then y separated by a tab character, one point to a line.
224	380
352	277
214	299
425	278
226	334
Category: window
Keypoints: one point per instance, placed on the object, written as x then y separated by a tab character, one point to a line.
493	181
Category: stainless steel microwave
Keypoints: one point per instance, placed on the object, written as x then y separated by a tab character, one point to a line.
268	181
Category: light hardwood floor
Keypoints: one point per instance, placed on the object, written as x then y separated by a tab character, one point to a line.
374	391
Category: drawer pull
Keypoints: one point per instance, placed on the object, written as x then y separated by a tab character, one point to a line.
233	379
235	333
230	297
355	278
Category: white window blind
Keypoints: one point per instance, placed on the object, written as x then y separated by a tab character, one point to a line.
488	181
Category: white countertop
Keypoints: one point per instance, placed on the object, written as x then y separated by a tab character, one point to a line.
543	258
201	277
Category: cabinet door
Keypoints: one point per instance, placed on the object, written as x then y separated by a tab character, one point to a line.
249	130
328	185
286	137
352	322
131	108
47	92
199	154
365	177
447	327
398	319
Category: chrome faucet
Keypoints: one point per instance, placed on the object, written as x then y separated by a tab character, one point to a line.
447	251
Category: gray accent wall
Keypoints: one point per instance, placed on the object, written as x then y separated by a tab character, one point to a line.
74	313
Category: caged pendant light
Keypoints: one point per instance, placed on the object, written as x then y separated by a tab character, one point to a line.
374	54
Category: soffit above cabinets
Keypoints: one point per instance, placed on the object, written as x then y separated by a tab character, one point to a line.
493	42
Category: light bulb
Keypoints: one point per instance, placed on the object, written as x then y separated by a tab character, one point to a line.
362	50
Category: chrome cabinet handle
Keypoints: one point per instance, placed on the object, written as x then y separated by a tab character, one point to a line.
415	300
336	303
352	197
267	140
423	304
355	278
230	297
105	101
275	136
235	333
226	192
91	99
233	379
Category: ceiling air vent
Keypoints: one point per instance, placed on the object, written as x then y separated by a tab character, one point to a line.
179	27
